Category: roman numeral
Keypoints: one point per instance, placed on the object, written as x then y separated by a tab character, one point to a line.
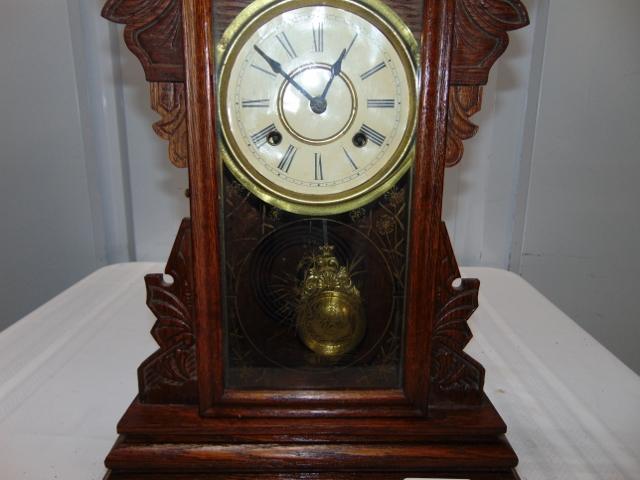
318	38
264	103
260	138
375	137
319	174
381	103
373	70
351	45
287	159
286	44
353	164
263	70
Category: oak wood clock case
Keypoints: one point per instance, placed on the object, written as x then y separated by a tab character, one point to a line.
186	423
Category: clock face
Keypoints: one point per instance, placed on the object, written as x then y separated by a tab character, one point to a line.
317	104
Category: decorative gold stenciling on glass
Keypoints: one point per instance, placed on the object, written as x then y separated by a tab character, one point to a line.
330	319
264	276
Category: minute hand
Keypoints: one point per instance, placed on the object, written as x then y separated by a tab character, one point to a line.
336	69
277	68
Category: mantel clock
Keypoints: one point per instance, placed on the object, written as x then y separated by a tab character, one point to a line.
311	320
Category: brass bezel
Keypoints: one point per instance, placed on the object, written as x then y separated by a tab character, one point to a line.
400	36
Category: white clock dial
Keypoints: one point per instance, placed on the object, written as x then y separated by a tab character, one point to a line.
318	103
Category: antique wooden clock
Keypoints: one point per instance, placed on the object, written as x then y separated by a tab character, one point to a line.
311	321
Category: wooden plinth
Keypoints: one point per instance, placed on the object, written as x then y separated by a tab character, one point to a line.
368	475
172	442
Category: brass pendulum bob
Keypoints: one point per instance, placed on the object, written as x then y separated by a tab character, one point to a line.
330	318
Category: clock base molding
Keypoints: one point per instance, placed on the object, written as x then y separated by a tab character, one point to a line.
365	475
173	442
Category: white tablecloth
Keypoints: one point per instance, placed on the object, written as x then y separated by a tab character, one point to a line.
68	372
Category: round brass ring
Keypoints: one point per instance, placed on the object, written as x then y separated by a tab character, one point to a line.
293	131
227	49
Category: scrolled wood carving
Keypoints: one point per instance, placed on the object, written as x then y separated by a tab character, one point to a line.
169	375
480	37
456	378
168	99
153	33
464	101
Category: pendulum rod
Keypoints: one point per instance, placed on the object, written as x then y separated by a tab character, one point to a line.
325	231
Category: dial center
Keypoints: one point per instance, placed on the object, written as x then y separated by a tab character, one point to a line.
318	105
320	120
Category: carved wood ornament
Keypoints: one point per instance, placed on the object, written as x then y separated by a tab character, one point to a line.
154	34
464	102
439	423
168	99
169	375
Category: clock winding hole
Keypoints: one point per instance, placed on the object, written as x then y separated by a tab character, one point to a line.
359	139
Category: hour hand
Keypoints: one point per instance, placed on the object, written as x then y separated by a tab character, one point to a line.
277	68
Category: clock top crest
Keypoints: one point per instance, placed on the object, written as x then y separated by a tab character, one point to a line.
312	326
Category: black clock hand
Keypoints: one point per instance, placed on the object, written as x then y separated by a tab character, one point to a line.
319	104
336	69
277	68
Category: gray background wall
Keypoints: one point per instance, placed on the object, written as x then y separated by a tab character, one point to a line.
582	216
547	188
49	238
